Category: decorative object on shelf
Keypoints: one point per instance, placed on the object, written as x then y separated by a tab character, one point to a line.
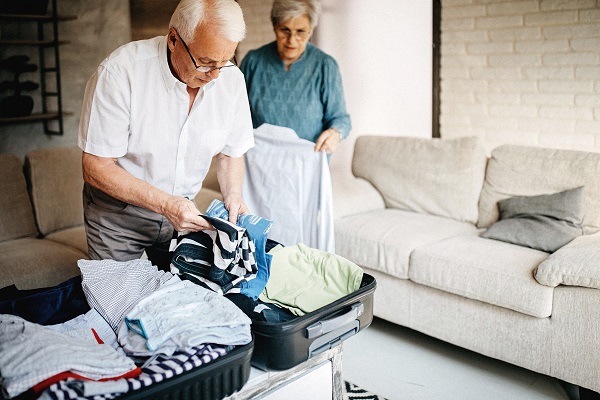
21	20
37	7
17	105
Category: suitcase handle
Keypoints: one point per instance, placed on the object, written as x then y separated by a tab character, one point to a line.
328	325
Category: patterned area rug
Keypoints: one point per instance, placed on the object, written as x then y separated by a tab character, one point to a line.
353	392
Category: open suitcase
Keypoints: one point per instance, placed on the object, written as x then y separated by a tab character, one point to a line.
283	345
214	380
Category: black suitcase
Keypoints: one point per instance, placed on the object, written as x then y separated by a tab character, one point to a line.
283	345
213	381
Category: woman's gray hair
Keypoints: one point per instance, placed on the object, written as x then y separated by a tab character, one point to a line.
285	9
224	15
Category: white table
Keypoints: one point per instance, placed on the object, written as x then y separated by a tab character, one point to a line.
317	378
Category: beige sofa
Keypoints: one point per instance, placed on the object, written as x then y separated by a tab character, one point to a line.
412	214
41	223
41	216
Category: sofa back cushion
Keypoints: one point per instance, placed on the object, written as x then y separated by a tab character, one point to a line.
433	176
55	183
530	171
16	215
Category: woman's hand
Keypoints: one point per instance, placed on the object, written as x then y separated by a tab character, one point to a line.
328	141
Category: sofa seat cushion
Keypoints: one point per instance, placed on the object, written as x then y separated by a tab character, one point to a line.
74	237
383	240
487	270
32	263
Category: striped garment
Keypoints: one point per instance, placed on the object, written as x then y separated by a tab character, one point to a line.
258	229
157	370
222	259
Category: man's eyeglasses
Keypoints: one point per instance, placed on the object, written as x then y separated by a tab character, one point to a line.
300	34
202	68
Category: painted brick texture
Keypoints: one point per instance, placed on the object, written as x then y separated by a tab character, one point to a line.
522	71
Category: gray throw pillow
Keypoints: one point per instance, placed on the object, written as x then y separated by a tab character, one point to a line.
545	222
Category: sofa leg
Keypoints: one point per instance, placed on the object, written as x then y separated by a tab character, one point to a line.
587	394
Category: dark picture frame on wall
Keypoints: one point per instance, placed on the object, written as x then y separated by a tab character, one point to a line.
436	45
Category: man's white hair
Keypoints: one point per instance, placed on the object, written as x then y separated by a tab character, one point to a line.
223	15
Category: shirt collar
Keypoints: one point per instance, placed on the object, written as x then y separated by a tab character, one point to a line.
171	80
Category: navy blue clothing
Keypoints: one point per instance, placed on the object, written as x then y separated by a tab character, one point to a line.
45	306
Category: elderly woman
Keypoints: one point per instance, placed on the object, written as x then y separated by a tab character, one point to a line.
292	83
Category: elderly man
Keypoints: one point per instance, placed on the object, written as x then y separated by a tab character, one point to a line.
155	113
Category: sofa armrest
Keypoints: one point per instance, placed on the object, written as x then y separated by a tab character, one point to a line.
574	264
353	195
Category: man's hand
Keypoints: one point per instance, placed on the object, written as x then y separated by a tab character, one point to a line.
236	206
184	216
230	173
328	141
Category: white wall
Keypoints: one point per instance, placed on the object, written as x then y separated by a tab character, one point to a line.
522	72
384	51
383	48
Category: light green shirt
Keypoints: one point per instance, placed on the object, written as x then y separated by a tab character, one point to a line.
304	279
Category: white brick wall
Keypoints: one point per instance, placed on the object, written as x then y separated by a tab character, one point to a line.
522	71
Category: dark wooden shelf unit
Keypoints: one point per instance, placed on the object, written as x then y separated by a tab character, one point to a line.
49	66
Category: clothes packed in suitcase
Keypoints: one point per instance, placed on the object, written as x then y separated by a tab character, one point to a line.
232	298
122	330
302	301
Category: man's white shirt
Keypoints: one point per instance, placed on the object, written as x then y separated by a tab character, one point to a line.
136	111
